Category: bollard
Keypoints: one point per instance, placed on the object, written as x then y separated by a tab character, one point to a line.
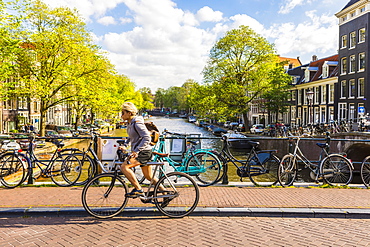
225	179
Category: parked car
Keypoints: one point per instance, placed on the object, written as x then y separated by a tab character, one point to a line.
233	125
8	144
226	124
241	127
257	129
52	135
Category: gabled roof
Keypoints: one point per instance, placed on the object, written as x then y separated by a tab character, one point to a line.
350	3
295	62
315	67
319	63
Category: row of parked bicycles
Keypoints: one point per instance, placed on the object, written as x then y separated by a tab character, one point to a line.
198	167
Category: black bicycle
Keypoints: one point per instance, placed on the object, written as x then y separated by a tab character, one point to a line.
16	167
261	166
175	194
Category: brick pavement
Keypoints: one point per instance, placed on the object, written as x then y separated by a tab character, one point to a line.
189	231
213	196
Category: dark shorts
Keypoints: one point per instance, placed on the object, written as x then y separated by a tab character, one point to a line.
144	157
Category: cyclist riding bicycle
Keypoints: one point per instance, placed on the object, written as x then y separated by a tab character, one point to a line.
141	150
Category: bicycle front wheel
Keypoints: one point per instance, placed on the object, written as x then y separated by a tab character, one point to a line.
336	170
287	172
205	166
365	171
66	170
176	194
13	170
104	196
265	172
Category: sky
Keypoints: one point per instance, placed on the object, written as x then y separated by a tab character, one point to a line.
163	43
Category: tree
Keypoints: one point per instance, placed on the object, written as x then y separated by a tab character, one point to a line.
59	54
239	68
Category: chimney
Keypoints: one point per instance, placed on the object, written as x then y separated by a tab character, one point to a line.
314	58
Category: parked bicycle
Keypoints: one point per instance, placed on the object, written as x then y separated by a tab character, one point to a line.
365	171
260	166
333	169
17	167
175	194
202	164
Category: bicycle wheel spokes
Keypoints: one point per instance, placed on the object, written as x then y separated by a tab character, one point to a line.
66	170
12	170
104	196
365	172
336	170
176	195
265	174
205	166
287	171
88	168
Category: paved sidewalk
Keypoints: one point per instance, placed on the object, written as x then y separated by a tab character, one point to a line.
239	199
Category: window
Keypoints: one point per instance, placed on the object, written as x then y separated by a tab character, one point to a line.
343	89
344	66
361	87
352	64
362	9
342	111
299	97
323	94
361	61
352	40
331	93
353	14
322	115
317	94
325	71
361	35
344	41
293	95
293	111
351	114
352	88
344	18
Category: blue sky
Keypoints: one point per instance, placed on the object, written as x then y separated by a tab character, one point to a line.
162	43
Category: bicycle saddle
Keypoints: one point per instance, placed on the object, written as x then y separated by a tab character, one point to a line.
161	155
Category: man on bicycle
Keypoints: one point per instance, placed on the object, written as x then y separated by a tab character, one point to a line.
141	150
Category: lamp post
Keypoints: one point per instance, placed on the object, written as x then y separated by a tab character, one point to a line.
309	95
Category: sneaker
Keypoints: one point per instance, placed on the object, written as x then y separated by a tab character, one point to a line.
135	193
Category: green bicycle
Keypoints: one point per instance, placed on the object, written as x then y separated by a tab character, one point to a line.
202	164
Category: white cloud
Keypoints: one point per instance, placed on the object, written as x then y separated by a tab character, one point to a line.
125	20
289	5
317	36
107	20
208	14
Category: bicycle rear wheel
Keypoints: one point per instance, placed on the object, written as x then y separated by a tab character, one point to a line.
287	172
66	170
336	170
205	166
265	173
180	195
365	171
13	170
104	196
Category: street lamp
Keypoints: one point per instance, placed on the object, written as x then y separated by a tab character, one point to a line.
309	95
